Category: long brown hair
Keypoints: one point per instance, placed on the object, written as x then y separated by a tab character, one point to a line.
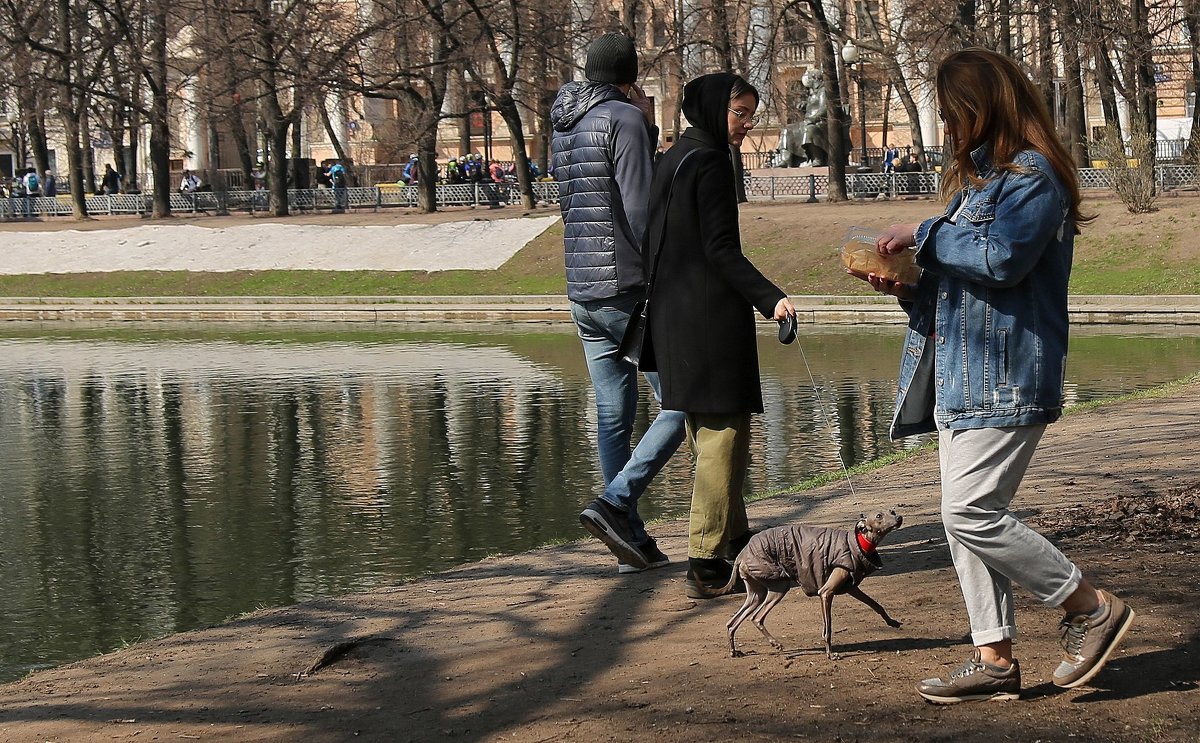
985	98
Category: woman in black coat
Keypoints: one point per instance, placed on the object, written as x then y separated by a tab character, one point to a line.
701	315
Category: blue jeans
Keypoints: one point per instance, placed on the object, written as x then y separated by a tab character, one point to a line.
601	323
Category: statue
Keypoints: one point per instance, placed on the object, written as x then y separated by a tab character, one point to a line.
815	139
806	143
789	153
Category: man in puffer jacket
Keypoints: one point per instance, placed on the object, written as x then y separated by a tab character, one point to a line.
603	160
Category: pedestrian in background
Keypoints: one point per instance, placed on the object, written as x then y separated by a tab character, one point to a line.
602	149
110	184
984	360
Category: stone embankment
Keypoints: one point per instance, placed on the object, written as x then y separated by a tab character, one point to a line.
821	310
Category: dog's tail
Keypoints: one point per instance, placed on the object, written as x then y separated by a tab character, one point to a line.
704	590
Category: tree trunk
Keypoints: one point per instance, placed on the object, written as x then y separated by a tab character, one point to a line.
37	143
507	108
160	124
72	111
88	163
294	169
1108	92
1192	154
131	152
1074	129
277	183
327	123
835	117
241	140
428	169
1147	87
1004	23
1045	50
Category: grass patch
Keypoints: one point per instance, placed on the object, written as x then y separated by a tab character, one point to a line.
794	244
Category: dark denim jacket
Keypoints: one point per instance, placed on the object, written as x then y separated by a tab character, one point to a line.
992	304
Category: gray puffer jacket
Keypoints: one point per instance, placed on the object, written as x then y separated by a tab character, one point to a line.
806	556
603	162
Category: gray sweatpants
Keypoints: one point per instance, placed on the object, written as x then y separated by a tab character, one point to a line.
981	471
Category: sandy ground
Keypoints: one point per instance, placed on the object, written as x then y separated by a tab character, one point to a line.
554	645
260	245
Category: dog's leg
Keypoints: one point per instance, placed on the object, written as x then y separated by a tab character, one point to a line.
857	593
776	590
837	579
755	593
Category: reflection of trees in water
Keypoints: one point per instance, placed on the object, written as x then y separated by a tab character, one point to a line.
135	502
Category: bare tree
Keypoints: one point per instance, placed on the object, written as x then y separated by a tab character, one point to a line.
287	51
406	59
61	33
1192	19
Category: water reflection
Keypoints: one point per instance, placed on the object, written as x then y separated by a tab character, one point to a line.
154	485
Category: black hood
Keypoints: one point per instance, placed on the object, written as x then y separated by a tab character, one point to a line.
575	99
706	104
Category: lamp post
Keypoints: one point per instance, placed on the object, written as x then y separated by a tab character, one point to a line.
851	56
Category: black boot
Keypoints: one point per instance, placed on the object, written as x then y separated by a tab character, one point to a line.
708	577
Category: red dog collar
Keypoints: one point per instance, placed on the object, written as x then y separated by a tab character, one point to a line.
865	544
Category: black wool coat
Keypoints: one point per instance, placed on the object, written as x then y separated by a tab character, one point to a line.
701	320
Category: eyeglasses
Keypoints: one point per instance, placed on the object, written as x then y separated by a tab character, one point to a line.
746	117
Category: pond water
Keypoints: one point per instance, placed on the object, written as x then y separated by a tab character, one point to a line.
156	481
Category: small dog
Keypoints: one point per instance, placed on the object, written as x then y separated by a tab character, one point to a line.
823	562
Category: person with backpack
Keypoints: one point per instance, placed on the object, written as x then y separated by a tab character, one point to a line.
33	188
338	177
411	171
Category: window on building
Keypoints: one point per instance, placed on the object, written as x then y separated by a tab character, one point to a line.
1190	103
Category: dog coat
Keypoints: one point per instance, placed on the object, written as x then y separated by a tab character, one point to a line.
806	556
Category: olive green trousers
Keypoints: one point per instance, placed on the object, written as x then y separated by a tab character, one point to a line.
720	444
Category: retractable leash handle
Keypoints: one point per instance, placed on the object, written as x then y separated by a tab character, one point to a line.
787	334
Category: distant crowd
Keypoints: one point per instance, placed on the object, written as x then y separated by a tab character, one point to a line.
471	168
26	183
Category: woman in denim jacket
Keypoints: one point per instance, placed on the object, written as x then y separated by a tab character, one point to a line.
984	360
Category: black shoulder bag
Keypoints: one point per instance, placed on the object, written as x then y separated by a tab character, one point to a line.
636	345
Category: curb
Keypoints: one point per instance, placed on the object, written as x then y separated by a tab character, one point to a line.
812	310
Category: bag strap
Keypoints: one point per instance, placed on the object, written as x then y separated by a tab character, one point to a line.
663	235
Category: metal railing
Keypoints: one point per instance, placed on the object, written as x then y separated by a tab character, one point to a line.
375	198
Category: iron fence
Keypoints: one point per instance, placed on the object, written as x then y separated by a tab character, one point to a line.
810	187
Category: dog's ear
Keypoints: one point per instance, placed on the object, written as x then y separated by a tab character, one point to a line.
862	523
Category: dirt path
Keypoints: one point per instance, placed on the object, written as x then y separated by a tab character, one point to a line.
553	645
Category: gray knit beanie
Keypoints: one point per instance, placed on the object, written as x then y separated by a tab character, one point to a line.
612	59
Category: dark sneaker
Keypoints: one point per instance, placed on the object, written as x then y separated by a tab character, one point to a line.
974	681
709	578
612	527
654	558
1089	641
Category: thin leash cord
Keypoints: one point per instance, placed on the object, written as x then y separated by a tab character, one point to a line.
821	407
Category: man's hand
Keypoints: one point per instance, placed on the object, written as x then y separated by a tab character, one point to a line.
638	97
783	308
